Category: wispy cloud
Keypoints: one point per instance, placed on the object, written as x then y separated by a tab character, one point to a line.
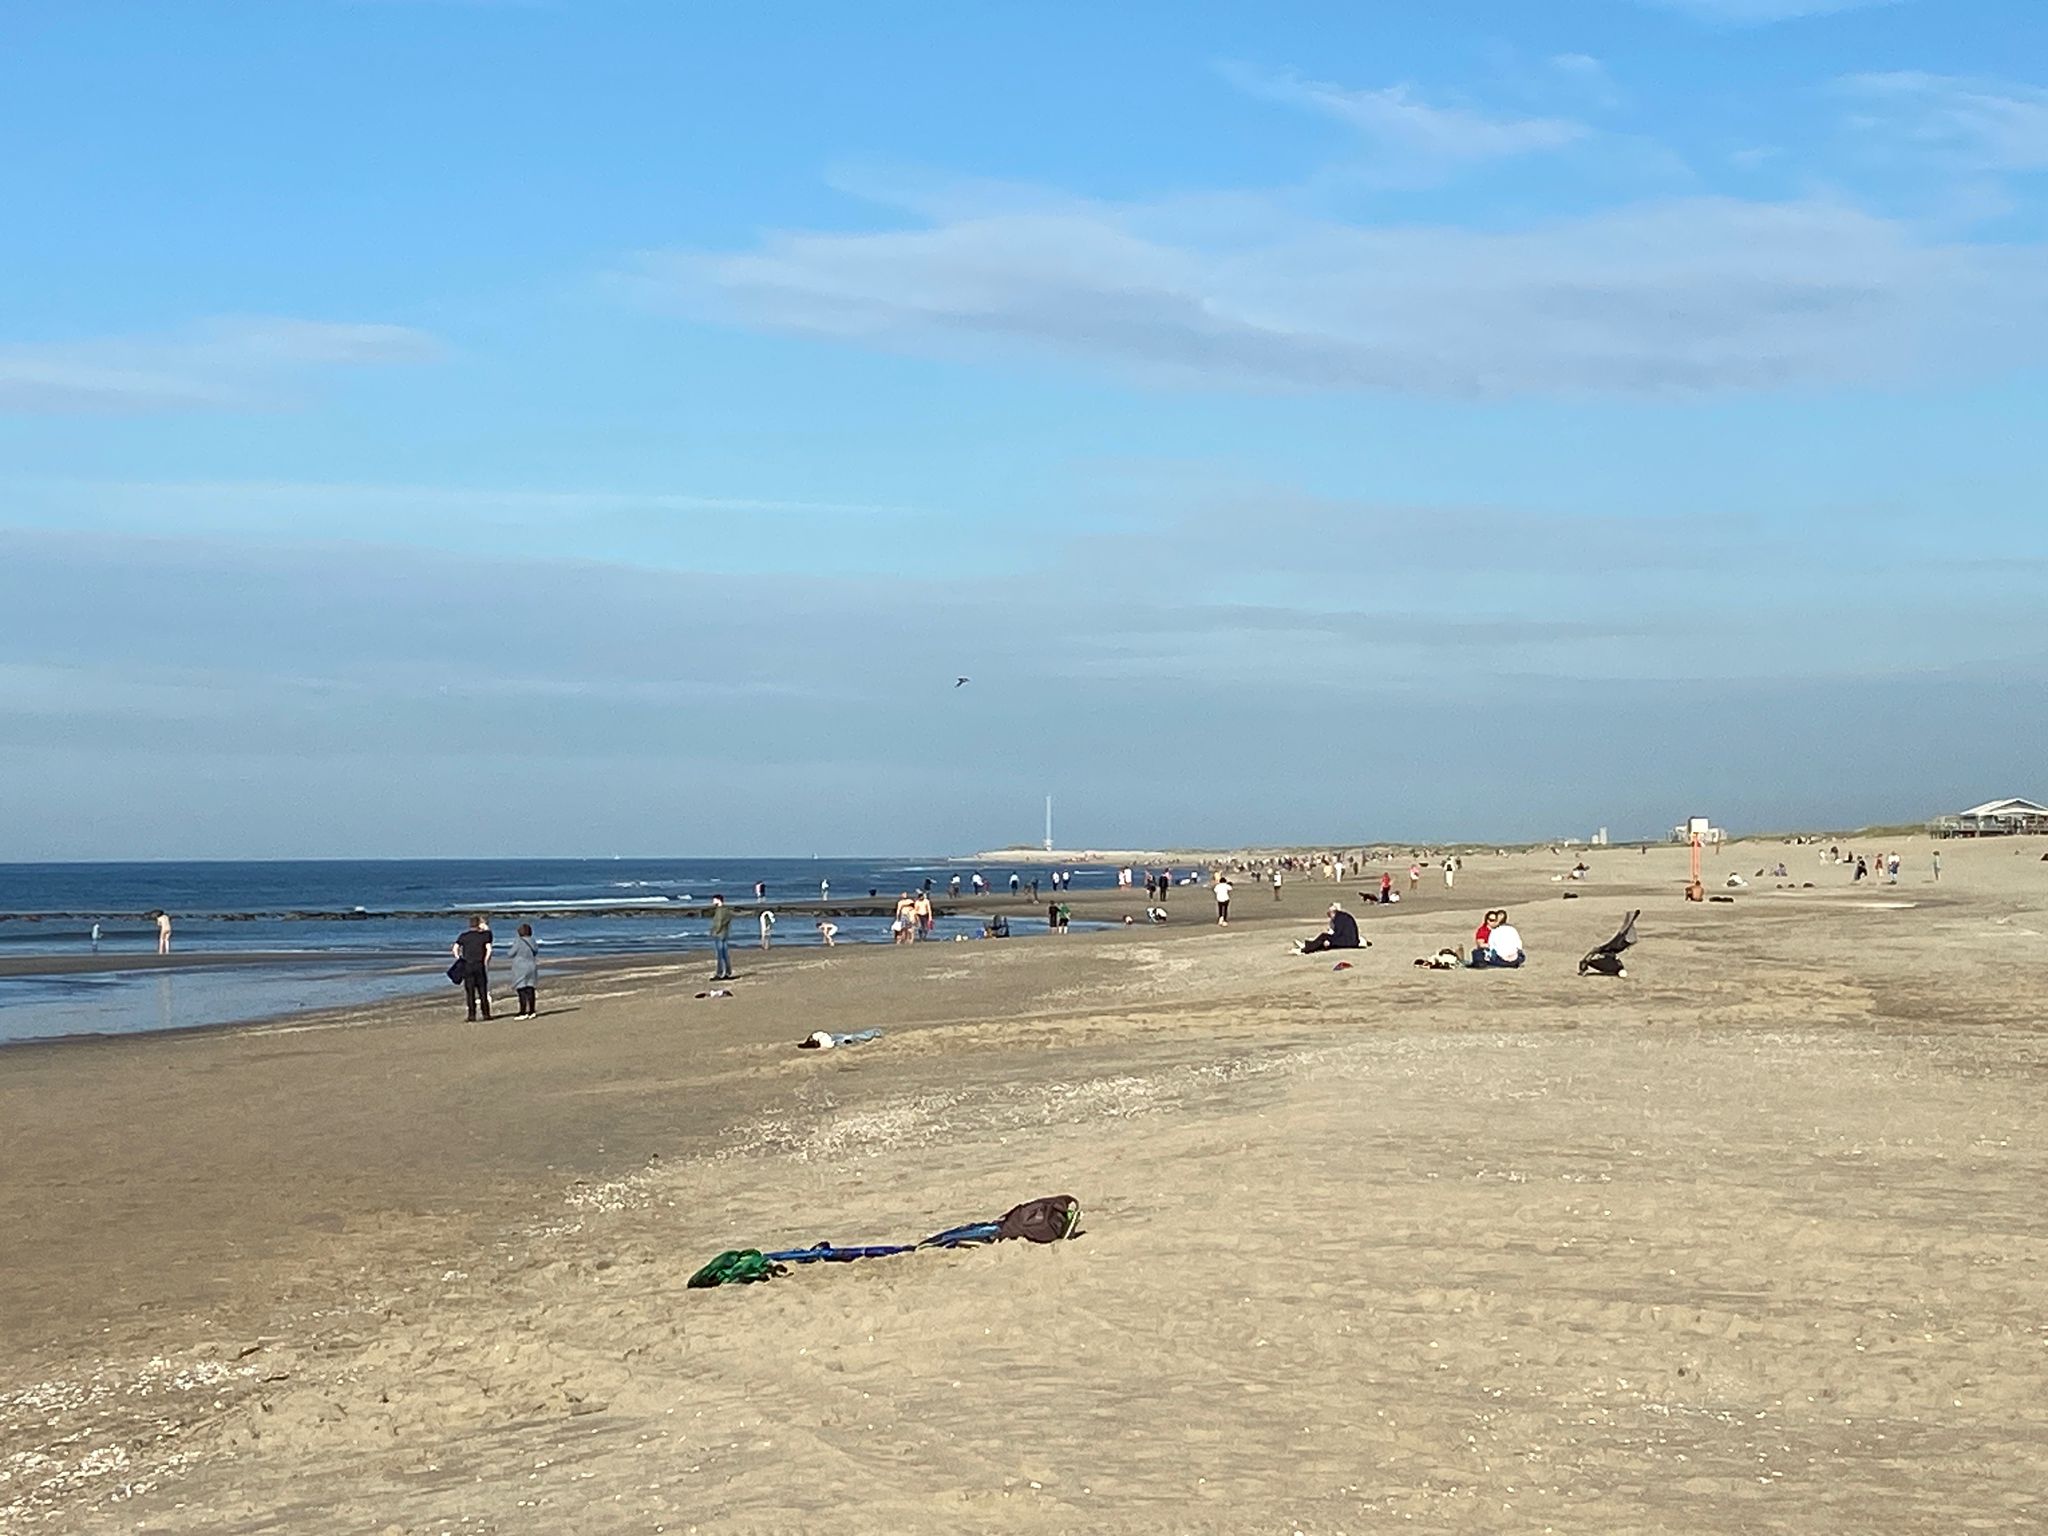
1588	75
1986	125
1667	298
1757	12
353	496
1399	119
234	363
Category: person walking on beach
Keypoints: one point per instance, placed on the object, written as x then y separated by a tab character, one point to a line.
473	951
922	910
1015	883
1222	902
767	926
1276	882
721	938
1414	877
1450	874
526	970
824	890
163	932
1937	876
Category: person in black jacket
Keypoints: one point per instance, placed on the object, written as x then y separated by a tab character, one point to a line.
1341	932
473	950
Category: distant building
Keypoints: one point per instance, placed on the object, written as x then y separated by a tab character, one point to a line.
1700	827
1600	838
1994	818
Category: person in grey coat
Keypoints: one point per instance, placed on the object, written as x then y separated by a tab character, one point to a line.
525	970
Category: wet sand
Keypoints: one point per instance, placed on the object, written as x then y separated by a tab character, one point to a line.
1748	1241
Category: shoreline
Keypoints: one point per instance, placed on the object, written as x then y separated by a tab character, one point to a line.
1092	913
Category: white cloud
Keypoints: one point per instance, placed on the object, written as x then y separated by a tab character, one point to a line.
1399	119
1988	124
222	364
1666	298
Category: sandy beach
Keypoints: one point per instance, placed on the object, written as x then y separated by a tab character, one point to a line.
1747	1241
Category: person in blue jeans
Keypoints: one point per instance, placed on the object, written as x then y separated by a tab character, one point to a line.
721	938
1502	949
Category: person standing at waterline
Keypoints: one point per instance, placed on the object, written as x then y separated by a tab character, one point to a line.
721	938
473	949
767	926
526	970
163	933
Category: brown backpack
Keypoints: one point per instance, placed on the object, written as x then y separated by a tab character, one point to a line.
1042	1221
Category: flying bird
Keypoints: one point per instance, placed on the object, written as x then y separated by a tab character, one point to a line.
962	682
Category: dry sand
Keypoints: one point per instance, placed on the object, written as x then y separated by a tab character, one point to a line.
1750	1241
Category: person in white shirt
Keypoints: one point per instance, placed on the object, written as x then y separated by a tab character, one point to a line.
1503	948
767	927
1222	902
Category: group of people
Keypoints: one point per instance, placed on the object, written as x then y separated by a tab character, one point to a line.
915	918
1496	945
1496	942
473	950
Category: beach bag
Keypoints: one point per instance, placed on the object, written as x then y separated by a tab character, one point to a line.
736	1266
457	971
1041	1221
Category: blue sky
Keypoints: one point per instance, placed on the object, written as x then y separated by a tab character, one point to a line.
432	427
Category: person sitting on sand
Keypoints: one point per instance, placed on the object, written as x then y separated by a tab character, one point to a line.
1502	948
1339	932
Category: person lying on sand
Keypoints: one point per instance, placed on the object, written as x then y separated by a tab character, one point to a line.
1340	932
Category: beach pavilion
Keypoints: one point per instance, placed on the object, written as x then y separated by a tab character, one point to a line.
1995	818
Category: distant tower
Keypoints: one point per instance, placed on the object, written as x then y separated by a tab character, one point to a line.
1048	823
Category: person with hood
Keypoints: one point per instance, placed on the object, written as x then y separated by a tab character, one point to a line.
526	970
1340	932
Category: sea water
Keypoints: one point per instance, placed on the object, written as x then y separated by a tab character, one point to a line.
359	931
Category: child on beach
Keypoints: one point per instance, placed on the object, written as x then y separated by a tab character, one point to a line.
828	933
